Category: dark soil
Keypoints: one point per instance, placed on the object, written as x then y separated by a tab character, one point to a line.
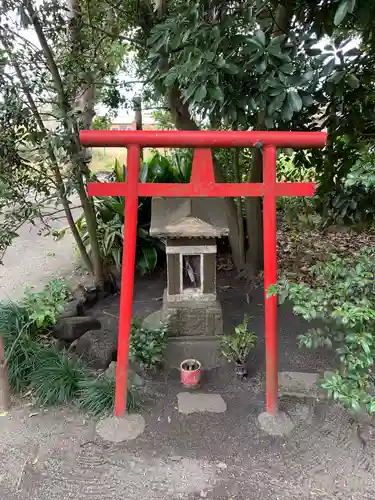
232	293
203	455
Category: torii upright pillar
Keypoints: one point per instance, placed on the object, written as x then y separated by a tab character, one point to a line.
202	184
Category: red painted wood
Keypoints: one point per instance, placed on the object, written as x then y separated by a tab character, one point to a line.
127	278
214	190
201	184
202	170
270	277
201	139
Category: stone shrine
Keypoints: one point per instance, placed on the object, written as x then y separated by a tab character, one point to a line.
189	227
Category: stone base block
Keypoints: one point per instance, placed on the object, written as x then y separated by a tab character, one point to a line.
204	349
300	384
275	425
194	317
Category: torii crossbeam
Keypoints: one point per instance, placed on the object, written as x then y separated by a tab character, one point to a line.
202	184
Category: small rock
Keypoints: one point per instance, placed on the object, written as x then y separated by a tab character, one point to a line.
97	347
135	380
72	309
111	370
176	458
200	402
222	466
71	329
203	494
91	297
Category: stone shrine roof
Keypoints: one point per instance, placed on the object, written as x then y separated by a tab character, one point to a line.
189	218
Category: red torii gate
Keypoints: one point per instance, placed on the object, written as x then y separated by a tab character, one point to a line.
202	184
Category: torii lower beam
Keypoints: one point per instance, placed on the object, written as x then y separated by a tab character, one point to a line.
202	184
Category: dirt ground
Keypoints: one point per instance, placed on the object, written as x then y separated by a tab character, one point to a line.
56	454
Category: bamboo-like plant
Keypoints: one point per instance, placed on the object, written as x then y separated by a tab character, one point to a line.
237	347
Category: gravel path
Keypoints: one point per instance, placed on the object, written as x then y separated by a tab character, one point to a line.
33	260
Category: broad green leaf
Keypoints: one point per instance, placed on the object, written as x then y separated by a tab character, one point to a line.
353	81
329	67
230	68
294	100
341	12
216	93
287	69
277	103
170	78
146	259
261	37
210	56
277	40
190	91
200	93
274	92
308	76
336	77
269	122
307	100
287	112
261	67
351	6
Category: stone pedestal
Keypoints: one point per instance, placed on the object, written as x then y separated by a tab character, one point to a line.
193	317
194	326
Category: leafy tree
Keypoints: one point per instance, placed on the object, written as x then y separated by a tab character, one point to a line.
101	123
62	75
261	65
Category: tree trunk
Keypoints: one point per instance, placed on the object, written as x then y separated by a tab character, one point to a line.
4	382
54	163
241	233
254	223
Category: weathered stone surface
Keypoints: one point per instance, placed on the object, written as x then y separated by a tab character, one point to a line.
299	384
97	347
153	321
200	402
72	309
117	429
194	317
275	425
61	345
204	349
134	378
72	328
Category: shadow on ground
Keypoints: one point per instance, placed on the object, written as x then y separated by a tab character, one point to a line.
56	454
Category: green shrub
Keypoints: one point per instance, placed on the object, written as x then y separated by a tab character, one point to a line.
237	347
21	349
97	395
353	199
56	377
342	298
147	346
288	170
43	308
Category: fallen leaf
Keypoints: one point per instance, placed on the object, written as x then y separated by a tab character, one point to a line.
3	413
33	415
